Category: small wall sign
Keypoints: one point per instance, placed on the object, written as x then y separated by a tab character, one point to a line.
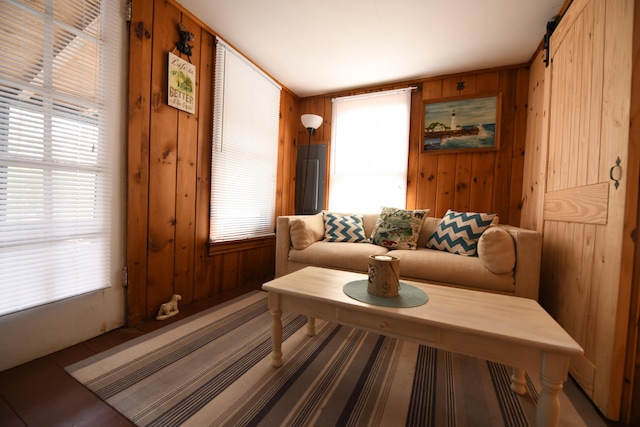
182	84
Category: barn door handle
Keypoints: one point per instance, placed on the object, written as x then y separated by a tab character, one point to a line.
618	170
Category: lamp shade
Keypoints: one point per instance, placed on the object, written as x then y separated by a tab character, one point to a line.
311	121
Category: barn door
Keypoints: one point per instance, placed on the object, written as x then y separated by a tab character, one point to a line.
584	279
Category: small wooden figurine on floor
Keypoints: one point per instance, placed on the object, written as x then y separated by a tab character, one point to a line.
170	308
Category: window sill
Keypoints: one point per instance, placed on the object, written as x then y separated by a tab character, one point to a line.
219	248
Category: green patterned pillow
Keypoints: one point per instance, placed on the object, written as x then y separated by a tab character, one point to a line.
398	228
343	228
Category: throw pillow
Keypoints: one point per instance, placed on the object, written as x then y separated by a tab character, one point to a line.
496	250
458	232
343	228
301	234
398	228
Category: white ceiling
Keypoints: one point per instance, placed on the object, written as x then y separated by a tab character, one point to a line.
320	46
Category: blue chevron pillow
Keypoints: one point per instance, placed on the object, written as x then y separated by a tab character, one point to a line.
343	228
458	232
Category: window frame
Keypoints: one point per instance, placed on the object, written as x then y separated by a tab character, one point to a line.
246	124
67	134
349	140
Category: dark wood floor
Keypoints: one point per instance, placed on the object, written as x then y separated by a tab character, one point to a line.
41	393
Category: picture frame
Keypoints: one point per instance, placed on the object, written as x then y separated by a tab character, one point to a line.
458	125
181	84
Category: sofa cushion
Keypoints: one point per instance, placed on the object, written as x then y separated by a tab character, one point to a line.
340	255
306	229
458	232
343	228
398	228
496	250
431	265
429	226
301	234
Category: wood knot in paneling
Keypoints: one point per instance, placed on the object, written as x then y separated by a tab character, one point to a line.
157	100
164	156
153	246
141	32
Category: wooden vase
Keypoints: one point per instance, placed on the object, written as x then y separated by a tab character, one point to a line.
384	276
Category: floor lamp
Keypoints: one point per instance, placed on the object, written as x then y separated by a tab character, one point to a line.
311	122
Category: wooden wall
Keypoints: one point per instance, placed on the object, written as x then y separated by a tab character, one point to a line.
169	162
536	146
169	169
590	277
484	181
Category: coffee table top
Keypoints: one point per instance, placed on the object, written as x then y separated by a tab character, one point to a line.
514	319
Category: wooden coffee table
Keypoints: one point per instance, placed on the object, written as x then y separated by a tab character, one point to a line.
513	331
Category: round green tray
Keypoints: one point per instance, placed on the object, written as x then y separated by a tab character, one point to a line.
408	295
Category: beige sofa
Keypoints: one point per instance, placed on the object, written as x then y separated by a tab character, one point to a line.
522	259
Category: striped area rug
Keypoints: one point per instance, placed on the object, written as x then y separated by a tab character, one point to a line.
214	369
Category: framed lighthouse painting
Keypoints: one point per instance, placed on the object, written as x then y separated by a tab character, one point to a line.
462	125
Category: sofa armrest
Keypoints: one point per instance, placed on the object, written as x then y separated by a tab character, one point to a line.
283	244
528	245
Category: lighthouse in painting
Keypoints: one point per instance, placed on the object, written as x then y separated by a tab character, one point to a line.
453	120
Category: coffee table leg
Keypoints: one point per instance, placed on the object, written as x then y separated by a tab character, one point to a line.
518	381
553	373
311	326
548	409
276	330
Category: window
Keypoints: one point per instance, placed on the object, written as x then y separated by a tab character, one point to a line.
55	149
369	151
245	149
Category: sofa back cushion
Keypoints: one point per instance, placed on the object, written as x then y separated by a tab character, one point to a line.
369	221
305	230
428	228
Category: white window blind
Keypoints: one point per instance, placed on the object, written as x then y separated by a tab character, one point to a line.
55	162
245	149
369	151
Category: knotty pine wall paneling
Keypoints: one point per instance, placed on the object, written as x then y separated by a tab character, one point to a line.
186	181
203	270
415	134
320	105
485	181
631	390
288	141
169	162
169	175
139	111
536	146
568	164
163	169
